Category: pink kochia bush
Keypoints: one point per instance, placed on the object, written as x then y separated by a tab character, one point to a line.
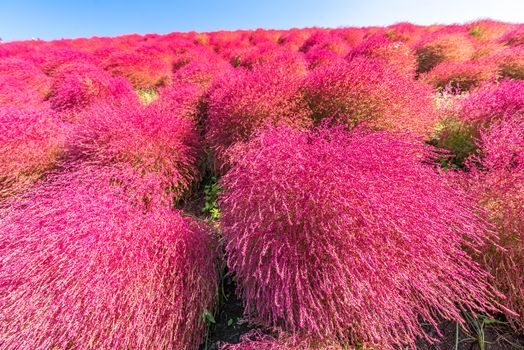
369	91
443	47
31	141
243	101
461	76
497	177
143	71
345	236
79	84
153	140
395	53
26	72
84	267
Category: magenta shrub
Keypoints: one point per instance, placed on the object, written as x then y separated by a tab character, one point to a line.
443	46
77	85
497	177
368	91
152	139
31	141
461	76
345	236
392	52
84	268
26	72
243	101
143	71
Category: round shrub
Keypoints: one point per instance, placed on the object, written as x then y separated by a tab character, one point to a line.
488	30
15	92
486	104
143	71
443	47
460	76
350	237
242	101
83	267
395	53
510	62
514	37
180	98
497	177
26	72
31	141
77	85
152	140
368	91
201	73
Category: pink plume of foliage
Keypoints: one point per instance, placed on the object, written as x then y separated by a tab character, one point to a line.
346	236
510	61
484	105
443	46
491	101
26	72
488	30
153	140
31	141
181	99
243	101
143	71
514	37
405	32
202	74
48	59
79	84
85	268
497	177
395	53
15	92
461	76
368	91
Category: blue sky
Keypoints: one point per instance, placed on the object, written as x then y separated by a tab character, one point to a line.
53	19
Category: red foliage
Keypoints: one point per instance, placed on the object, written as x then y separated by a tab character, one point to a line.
395	53
497	177
83	267
78	85
443	46
153	140
31	140
243	101
143	70
15	92
461	76
368	91
345	236
26	72
491	101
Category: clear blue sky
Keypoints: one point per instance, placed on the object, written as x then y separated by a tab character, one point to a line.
51	19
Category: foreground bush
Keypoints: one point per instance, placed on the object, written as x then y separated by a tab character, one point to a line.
77	85
350	237
368	91
83	267
31	141
498	180
443	47
485	105
243	101
153	140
